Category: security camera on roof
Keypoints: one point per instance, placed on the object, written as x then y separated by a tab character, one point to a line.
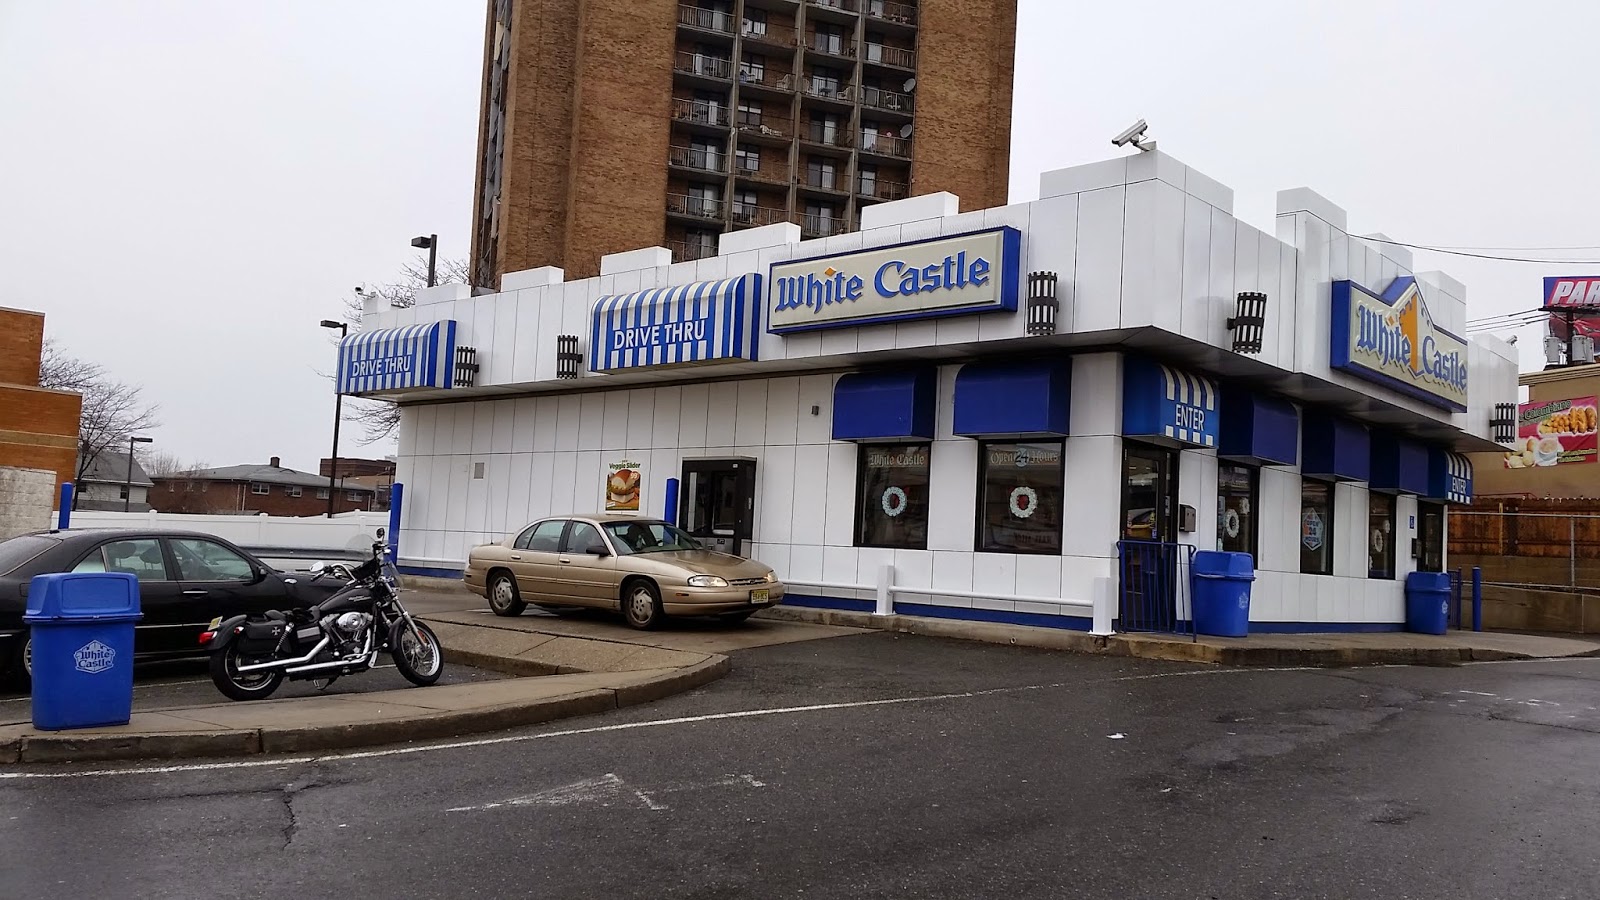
1134	132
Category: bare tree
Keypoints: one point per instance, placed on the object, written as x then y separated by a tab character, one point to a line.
179	489
164	463
112	412
379	418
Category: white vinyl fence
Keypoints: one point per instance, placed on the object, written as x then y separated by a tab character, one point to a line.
353	532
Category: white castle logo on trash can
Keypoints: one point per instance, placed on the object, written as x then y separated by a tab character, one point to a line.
94	658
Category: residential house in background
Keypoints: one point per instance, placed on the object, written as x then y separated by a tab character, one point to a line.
253	489
105	485
377	474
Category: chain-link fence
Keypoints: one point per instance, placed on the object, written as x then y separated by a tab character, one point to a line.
1540	561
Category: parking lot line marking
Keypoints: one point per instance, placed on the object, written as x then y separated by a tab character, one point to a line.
280	761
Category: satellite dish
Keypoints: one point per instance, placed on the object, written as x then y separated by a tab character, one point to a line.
906	129
911	85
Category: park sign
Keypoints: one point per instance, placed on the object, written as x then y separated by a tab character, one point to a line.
1392	340
1572	292
968	273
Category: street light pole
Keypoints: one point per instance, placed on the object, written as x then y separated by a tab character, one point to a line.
127	485
338	413
429	243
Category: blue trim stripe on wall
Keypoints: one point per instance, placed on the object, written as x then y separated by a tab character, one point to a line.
414	357
696	322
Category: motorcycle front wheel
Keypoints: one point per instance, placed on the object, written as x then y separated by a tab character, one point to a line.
421	661
239	685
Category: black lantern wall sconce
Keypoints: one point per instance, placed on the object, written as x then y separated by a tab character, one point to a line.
466	366
1249	323
1504	423
1042	303
568	358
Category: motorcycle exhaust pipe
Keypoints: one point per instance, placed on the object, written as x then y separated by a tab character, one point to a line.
281	663
354	660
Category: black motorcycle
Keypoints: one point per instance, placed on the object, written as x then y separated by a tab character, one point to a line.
342	635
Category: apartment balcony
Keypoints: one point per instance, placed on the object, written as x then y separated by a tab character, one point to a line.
710	20
847	7
747	216
772	173
891	101
891	57
832	49
828	139
689	251
698	208
878	189
767	78
703	65
884	145
893	13
822	226
700	112
829	92
697	159
764	129
832	183
769	36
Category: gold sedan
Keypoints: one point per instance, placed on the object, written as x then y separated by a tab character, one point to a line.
646	568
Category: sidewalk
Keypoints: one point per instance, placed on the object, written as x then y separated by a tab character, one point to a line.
1340	649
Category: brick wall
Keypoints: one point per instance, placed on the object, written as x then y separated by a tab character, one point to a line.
180	495
966	51
26	498
21	342
39	429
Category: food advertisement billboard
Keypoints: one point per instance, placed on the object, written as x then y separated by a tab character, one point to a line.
1554	433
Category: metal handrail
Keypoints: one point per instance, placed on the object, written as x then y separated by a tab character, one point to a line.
899	57
707	19
887	145
817	134
703	64
893	12
844	5
699	160
822	226
884	190
702	207
755	216
878	98
704	112
686	251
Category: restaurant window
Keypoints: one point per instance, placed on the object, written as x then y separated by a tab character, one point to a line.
1238	499
892	496
1020	497
1380	536
1430	537
1316	527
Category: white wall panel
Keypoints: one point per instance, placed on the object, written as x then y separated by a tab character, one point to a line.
721	412
694	414
952	494
1097	287
641	419
614	425
816	391
782	411
666	417
810	494
839	522
1195	312
591	420
750	421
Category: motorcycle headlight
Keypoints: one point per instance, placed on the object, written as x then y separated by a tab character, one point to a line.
711	581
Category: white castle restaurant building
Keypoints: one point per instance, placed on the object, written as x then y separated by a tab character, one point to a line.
981	415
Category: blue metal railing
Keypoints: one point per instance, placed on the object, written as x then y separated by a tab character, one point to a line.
1153	592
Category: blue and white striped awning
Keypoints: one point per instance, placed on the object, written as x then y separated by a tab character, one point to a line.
1168	404
416	357
1449	476
690	323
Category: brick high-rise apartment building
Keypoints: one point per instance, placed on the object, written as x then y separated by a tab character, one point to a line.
609	125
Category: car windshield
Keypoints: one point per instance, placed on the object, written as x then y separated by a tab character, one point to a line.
18	550
649	537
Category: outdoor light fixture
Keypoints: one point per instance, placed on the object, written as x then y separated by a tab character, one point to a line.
1504	422
338	413
1249	324
127	487
466	366
568	357
430	243
1042	303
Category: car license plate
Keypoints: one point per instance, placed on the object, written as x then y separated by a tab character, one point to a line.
215	623
761	596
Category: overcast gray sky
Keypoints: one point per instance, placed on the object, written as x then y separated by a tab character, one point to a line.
186	188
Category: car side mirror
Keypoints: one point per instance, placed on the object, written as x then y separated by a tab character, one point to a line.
597	550
318	567
381	533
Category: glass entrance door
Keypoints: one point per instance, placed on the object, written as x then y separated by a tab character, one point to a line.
1149	490
718	502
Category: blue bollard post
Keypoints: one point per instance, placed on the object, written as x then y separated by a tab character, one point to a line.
64	518
1477	598
669	500
397	492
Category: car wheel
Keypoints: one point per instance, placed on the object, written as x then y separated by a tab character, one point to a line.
641	604
504	598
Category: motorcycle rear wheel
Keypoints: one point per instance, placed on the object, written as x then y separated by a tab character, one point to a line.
421	662
238	685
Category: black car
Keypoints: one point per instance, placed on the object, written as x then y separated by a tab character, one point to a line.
186	579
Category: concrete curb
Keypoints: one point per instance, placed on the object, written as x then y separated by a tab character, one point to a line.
65	747
1147	647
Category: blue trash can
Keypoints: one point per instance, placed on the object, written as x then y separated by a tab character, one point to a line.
1221	592
82	629
1428	602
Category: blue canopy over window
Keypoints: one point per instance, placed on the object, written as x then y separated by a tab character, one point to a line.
885	406
1029	399
1258	429
416	357
1449	476
1334	447
1168	405
1399	465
